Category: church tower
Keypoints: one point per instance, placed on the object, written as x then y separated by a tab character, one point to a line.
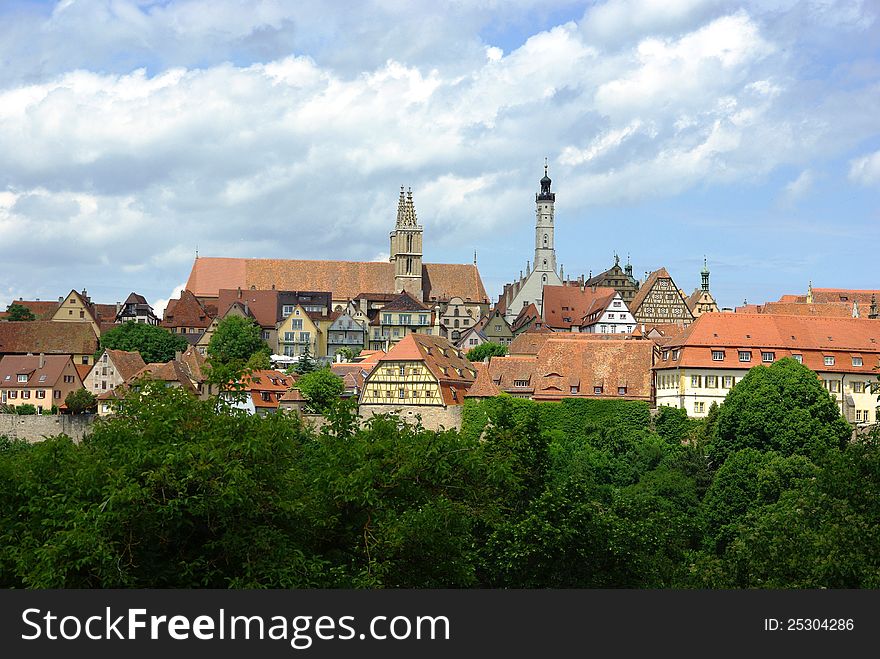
545	253
406	248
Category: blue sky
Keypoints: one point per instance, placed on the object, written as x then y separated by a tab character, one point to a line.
133	132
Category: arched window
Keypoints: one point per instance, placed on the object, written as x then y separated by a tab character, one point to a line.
456	323
455	313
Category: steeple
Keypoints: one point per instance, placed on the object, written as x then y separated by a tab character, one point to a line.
628	269
545	194
810	293
705	274
406	248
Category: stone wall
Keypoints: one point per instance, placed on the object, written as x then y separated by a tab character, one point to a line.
35	427
433	418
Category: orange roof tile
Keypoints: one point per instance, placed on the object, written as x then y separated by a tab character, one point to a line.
483	386
262	305
82	370
565	306
42	309
187	311
12	365
831	309
440	281
48	337
862	296
126	363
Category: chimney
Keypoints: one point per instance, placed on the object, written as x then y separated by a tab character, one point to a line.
118	307
60	299
42	360
178	355
239	292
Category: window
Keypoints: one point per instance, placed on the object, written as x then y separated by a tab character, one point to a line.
597	390
304	337
423	319
711	381
799	358
26	393
82	314
405	319
386	318
396	332
56	394
856	361
22	377
768	356
717	355
574	389
621	391
616	303
675	354
858	387
745	355
286	310
265	335
42	378
401	393
296	324
85	360
520	383
829	361
103	384
696	381
289	337
13	394
699	407
859	415
727	381
402	371
665	355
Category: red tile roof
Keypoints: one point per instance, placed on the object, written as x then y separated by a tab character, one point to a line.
347	278
187	311
862	296
262	305
565	306
12	365
404	302
126	363
82	370
812	337
172	371
42	309
483	386
565	369
830	309
48	337
529	343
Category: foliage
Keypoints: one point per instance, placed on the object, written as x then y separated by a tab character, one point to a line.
19	312
80	400
306	363
50	411
484	350
347	353
259	361
154	343
321	388
26	409
236	340
781	408
175	492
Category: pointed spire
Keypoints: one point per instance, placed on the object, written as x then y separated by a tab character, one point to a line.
528	267
561	272
401	209
475	257
704	273
411	209
197	251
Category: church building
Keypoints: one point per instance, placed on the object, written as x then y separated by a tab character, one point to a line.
529	288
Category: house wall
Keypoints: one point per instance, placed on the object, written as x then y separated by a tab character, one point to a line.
432	418
419	385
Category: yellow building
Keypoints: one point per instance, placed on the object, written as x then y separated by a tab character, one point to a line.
400	317
419	370
78	308
299	330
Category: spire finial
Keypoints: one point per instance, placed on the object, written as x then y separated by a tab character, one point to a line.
197	251
545	165
475	257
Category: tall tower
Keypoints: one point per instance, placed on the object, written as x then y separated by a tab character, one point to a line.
545	253
406	248
705	274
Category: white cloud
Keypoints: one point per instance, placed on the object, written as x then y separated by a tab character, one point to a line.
866	170
797	189
162	302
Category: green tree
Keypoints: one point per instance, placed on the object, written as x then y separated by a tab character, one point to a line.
154	343
26	409
485	350
305	363
321	388
782	408
19	312
348	354
235	341
80	400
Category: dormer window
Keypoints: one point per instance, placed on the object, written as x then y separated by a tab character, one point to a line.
22	377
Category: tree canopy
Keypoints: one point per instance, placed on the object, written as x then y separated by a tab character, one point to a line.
80	400
485	350
154	343
235	341
782	408
19	312
321	388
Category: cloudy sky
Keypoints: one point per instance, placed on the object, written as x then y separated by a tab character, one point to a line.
133	132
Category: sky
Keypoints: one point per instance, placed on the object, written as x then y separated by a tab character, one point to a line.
134	133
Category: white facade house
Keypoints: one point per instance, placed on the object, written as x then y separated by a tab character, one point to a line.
703	364
615	318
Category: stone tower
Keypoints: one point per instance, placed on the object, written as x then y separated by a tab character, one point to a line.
545	253
406	248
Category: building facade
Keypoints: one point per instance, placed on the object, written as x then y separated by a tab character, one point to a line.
704	363
38	380
529	288
618	278
659	301
701	300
